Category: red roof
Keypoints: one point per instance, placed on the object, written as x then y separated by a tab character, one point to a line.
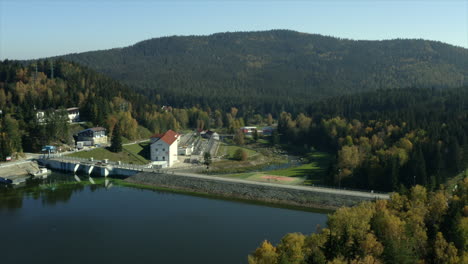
169	137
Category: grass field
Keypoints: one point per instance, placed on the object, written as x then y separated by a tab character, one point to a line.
228	151
267	177
306	174
254	160
133	154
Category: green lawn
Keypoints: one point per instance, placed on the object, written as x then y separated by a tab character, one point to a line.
229	150
133	154
141	151
314	171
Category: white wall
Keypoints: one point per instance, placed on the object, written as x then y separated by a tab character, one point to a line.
173	153
161	151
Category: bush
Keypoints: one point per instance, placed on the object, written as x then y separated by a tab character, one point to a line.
240	155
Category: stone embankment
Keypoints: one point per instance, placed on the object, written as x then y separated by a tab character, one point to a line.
17	169
303	196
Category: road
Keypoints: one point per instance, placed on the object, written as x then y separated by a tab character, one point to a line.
29	157
369	194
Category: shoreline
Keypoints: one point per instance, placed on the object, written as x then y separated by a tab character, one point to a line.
249	191
216	196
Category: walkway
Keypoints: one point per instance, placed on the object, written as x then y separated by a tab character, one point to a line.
294	187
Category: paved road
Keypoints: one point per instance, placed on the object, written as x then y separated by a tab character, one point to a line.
295	187
135	142
29	157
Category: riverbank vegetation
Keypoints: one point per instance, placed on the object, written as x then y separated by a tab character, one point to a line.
417	227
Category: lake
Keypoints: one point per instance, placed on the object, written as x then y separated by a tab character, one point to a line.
61	221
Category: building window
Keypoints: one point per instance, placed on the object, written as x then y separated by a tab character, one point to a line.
164	158
155	149
156	158
164	149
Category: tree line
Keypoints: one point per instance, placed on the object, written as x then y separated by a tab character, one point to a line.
416	227
389	139
53	86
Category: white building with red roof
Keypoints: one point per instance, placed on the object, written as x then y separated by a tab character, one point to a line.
164	148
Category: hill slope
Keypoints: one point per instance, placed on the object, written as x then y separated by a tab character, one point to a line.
269	66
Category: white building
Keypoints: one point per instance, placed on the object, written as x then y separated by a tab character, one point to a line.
248	130
92	136
164	149
73	114
186	150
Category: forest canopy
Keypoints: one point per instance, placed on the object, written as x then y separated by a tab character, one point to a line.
268	70
418	227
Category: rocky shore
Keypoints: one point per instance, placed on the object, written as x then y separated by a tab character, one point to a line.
269	193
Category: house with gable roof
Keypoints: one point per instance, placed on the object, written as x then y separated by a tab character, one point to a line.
163	148
92	136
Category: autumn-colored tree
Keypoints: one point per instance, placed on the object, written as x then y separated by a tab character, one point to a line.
269	119
239	138
265	254
393	231
240	155
290	249
444	252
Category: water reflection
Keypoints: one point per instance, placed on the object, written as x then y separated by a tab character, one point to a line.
51	191
123	220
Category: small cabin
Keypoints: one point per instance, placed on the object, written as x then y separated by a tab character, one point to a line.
93	136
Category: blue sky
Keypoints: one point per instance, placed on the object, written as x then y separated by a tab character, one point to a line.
35	28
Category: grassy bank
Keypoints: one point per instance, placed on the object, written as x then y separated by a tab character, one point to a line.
255	160
132	154
312	172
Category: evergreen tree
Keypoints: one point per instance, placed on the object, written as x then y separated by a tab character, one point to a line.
394	174
255	135
116	141
207	159
454	157
275	138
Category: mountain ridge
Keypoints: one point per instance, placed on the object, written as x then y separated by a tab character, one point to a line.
276	64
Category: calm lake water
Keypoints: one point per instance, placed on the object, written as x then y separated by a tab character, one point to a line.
73	223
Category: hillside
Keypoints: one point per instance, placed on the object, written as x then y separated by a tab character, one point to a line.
275	67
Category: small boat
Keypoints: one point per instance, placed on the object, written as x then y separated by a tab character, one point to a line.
41	173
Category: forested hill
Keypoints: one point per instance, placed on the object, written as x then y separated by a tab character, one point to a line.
276	66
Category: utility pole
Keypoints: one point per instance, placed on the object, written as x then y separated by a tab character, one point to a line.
339	179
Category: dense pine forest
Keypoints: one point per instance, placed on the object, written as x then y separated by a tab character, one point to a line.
418	227
277	69
386	140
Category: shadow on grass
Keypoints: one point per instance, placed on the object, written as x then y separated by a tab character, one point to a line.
145	151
